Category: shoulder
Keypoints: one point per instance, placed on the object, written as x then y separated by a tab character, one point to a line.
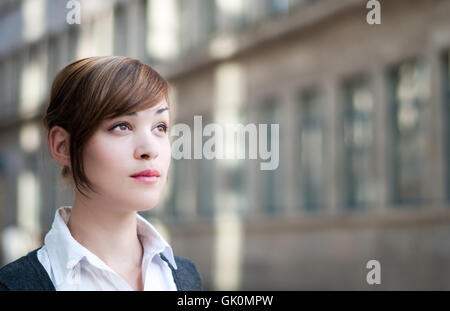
25	273
188	274
13	271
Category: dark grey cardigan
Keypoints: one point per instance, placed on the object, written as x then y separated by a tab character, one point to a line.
27	273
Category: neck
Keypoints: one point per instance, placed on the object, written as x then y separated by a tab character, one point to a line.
108	232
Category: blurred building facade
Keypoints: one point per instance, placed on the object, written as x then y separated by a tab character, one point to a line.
364	114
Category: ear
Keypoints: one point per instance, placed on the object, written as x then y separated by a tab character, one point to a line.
59	142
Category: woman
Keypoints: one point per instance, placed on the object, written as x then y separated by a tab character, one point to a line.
107	123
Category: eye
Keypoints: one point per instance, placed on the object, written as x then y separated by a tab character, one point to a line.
122	126
162	128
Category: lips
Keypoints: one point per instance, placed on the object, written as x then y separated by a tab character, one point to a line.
147	173
147	176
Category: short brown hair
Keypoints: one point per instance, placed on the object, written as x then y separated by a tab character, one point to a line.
90	90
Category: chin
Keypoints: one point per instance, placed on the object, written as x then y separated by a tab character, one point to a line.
145	205
146	208
135	200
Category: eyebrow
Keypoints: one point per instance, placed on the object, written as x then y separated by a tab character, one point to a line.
159	111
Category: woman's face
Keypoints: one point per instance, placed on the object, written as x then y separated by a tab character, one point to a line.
124	146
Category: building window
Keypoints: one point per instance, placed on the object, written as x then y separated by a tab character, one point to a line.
209	10
162	26
2	84
33	79
410	94
231	15
236	173
358	147
275	7
120	30
279	7
447	120
205	181
205	188
54	59
311	150
270	179
12	84
175	198
74	38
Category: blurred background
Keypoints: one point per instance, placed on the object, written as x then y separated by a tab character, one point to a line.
364	115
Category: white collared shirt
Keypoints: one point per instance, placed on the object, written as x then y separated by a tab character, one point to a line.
71	266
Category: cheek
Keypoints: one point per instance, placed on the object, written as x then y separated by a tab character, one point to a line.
166	155
101	158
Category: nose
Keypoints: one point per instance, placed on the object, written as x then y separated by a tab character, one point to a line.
146	149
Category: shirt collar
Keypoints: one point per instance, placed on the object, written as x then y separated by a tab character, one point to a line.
152	241
65	252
